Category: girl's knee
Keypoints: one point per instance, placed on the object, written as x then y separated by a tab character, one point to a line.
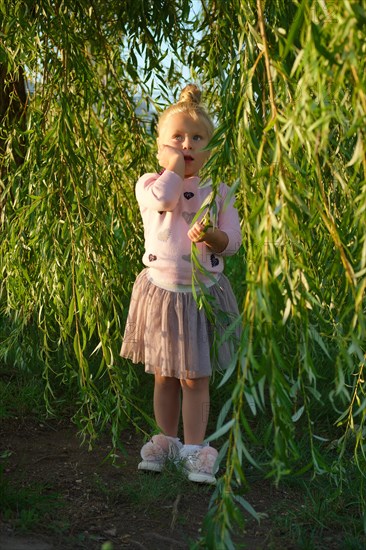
195	384
166	381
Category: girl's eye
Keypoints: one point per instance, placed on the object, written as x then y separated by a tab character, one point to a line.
197	138
178	138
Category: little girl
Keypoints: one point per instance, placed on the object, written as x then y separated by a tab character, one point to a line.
165	329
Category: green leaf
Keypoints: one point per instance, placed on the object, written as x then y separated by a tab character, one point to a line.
249	508
298	414
221	431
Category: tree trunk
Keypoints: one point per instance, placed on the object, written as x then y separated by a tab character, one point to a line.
13	101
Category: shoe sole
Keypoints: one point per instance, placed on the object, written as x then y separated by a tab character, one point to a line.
149	466
201	478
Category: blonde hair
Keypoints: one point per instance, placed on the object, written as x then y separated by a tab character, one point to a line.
189	102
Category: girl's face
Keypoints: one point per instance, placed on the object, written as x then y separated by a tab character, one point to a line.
190	136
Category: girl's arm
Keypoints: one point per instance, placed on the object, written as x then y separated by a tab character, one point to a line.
159	192
162	192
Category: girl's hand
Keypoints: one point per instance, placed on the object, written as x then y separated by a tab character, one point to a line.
197	233
171	159
215	239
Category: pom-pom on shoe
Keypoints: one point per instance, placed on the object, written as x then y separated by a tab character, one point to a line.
157	451
200	465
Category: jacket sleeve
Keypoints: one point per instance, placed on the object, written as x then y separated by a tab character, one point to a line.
159	192
228	221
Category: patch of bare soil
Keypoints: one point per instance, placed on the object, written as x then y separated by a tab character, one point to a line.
98	501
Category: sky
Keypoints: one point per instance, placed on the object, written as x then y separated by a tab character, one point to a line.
154	82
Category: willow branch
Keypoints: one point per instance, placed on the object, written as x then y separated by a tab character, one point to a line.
266	57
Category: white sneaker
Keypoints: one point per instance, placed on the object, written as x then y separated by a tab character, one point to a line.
199	465
157	451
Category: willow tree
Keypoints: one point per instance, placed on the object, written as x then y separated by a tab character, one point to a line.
286	82
75	134
291	82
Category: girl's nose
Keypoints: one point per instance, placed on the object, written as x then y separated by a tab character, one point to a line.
187	143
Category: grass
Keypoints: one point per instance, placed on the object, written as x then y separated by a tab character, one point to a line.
324	516
145	489
21	395
321	514
25	507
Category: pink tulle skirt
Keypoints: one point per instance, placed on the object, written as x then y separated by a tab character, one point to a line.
172	336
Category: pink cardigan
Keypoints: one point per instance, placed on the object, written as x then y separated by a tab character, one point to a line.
168	205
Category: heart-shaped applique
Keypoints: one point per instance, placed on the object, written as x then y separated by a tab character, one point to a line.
188	195
152	258
188	216
186	257
164	235
214	261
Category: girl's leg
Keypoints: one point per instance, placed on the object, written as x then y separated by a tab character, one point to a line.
195	409
167	404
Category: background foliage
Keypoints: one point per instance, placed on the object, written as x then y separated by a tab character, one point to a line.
80	84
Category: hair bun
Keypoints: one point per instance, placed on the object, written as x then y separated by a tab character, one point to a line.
190	94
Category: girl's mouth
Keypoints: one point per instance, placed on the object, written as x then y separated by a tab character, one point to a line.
188	157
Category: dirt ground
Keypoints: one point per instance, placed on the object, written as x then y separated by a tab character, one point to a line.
101	503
